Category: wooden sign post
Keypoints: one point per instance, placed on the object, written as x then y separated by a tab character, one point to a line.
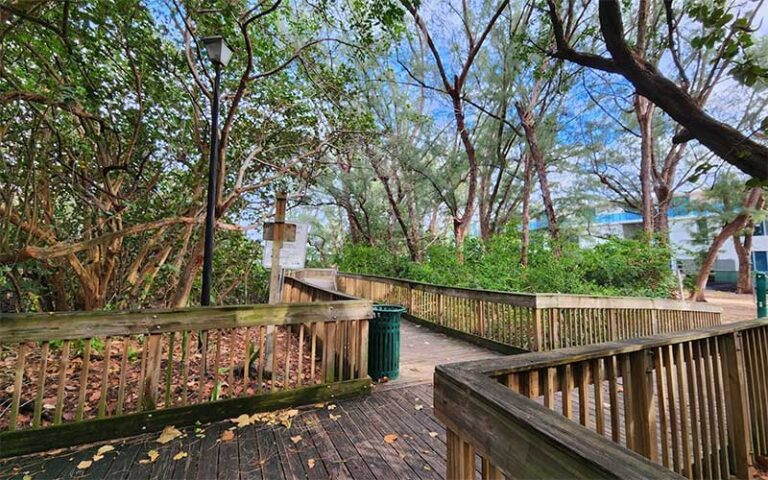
278	234
275	275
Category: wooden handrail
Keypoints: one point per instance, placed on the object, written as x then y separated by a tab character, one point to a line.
545	300
520	438
532	322
137	371
16	328
693	402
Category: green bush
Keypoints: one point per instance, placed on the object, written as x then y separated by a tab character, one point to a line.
613	267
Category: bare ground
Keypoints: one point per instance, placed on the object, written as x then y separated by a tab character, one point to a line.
736	307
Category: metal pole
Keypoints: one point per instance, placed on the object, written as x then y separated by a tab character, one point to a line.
760	287
210	214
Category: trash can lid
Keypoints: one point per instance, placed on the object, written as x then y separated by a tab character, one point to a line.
388	309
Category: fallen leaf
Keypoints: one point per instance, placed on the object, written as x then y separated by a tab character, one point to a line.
334	417
433	434
180	455
105	449
242	421
227	436
418	407
96	458
311	463
390	438
296	438
152	454
84	464
169	433
26	477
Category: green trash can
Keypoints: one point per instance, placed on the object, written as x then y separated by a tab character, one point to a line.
384	342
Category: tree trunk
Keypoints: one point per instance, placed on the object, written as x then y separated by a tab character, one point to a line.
644	113
525	235
469	147
410	242
744	281
184	288
539	163
754	197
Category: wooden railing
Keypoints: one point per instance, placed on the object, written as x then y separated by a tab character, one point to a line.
533	322
695	403
77	377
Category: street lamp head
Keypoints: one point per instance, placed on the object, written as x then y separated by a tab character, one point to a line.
218	50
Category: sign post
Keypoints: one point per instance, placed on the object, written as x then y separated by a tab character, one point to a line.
278	231
274	277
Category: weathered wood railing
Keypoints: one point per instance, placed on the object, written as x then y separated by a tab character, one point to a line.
533	322
348	355
693	402
77	377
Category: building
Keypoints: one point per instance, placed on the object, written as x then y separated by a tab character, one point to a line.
683	226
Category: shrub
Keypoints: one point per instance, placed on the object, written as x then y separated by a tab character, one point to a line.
615	267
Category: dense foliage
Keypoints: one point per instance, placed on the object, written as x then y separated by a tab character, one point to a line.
613	267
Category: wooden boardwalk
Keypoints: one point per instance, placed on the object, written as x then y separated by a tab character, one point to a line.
350	440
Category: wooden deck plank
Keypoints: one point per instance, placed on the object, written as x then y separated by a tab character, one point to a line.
347	452
268	455
250	465
310	457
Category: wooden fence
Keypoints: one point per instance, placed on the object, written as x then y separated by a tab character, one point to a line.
695	403
533	322
81	377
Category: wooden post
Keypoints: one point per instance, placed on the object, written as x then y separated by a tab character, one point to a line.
537	330
736	402
461	458
277	245
274	275
489	471
643	409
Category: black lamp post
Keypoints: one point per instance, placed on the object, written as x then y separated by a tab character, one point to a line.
219	53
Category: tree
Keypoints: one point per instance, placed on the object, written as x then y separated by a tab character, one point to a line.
723	140
733	212
453	86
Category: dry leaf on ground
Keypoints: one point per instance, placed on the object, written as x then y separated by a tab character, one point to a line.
242	421
311	463
84	464
152	454
96	458
104	449
418	407
334	417
227	436
390	438
169	433
433	434
180	455
296	438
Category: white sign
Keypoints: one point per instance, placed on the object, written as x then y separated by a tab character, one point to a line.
293	254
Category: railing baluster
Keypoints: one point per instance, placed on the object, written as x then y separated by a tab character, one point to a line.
17	385
41	385
83	379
